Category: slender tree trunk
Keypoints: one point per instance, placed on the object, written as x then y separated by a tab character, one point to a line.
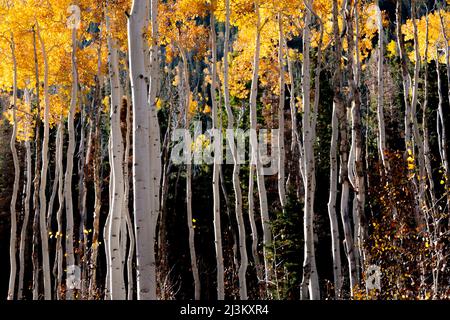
154	131
334	226
112	242
187	116
310	282
58	266
236	167
82	194
255	159
405	74
43	184
426	133
70	258
358	181
282	84
23	232
380	96
341	114
126	211
13	237
96	163
26	204
416	132
444	150
441	127
216	169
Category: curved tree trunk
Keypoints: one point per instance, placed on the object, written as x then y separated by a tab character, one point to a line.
310	282
380	97
70	258
58	266
255	158
43	184
282	84
216	168
13	238
236	167
112	242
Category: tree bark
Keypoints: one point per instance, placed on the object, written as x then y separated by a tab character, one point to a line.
70	258
112	242
13	237
255	158
143	200
43	183
216	168
243	265
310	283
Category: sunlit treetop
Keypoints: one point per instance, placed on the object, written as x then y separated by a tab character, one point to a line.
437	28
182	27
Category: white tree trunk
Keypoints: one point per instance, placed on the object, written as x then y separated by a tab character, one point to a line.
192	251
334	226
154	130
251	215
282	84
145	207
380	96
13	237
444	148
341	114
26	218
114	262
310	282
236	167
43	185
216	169
58	268
70	258
255	158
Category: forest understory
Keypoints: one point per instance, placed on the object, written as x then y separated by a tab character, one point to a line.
224	149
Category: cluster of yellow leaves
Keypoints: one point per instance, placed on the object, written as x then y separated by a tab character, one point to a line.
193	105
410	160
25	119
201	143
436	31
33	23
181	28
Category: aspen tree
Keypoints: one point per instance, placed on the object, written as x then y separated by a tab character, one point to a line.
70	258
255	158
281	122
96	178
444	148
216	169
236	167
43	176
25	222
310	283
13	237
117	283
341	114
187	117
37	166
58	265
380	97
144	176
355	165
